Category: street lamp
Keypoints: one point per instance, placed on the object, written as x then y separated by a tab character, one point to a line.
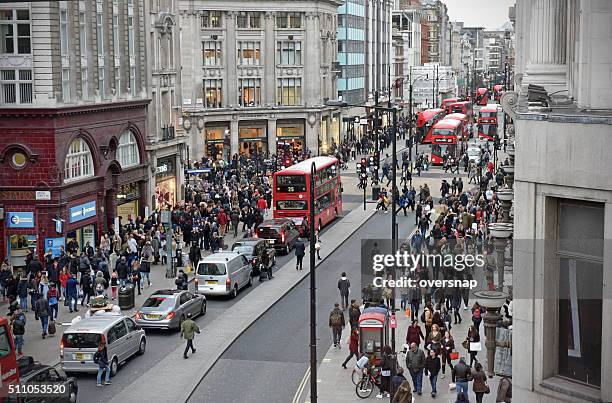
492	301
313	292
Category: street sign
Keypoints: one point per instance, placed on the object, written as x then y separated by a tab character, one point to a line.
43	195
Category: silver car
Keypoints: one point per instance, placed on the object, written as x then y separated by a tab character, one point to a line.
223	273
123	337
166	309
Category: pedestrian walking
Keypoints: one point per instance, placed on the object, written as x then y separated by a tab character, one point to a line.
387	363
479	386
41	312
504	390
53	299
344	285
448	346
72	293
414	334
462	374
18	323
415	362
354	314
188	330
473	339
101	358
353	343
432	368
22	293
336	322
317	241
114	282
300	251
397	380
135	275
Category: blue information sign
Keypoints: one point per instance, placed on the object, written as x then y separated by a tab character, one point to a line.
83	211
54	244
20	219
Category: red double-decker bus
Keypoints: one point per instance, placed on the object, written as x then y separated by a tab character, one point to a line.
8	359
465	124
425	121
487	122
292	189
447	101
445	139
464	107
497	92
482	96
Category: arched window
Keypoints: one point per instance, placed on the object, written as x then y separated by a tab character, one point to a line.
79	163
127	151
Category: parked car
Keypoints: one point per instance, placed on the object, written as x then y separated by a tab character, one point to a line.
124	338
254	249
473	154
223	273
35	373
166	309
281	233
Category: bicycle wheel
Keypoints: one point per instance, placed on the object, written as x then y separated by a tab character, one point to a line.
364	388
356	376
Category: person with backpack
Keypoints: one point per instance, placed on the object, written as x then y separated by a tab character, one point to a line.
101	358
53	298
336	322
18	323
41	312
344	285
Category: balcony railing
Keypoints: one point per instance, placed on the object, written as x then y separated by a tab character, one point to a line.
167	133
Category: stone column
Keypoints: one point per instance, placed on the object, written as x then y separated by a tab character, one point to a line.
547	50
231	78
312	61
272	136
234	138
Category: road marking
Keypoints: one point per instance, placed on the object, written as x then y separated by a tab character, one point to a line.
300	389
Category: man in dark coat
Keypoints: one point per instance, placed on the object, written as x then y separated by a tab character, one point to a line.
300	251
122	271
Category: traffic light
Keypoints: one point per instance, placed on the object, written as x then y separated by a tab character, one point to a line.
363	173
373	163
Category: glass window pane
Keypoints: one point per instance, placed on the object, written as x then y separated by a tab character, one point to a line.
581	228
23	14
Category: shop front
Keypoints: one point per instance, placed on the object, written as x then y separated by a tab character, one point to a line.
165	182
335	129
217	141
253	139
128	201
290	138
21	236
81	226
324	143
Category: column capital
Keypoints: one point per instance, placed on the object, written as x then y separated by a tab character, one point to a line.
269	15
232	14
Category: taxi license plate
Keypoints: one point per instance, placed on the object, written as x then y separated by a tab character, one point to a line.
81	356
153	316
271	241
211	281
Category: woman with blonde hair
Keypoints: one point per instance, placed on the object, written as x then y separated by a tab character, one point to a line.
403	394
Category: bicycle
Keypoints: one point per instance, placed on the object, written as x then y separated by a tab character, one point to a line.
365	387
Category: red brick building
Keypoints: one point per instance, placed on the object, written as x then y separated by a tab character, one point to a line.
72	165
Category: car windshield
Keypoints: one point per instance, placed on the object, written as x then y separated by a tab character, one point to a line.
211	269
159	302
243	249
81	340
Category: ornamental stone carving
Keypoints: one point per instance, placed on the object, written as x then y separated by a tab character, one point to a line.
269	15
509	103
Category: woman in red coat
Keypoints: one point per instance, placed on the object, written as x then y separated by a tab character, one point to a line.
415	334
353	347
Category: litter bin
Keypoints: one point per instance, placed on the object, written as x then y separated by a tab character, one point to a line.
375	193
126	297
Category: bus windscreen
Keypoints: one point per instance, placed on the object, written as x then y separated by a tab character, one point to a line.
292	205
291	183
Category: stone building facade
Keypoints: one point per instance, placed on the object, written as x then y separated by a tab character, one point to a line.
255	77
563	202
72	118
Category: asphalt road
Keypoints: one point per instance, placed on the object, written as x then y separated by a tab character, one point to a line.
268	361
160	343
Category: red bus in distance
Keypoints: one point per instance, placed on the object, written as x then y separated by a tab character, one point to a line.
465	124
8	359
291	190
447	101
482	96
497	92
464	107
487	122
445	138
425	121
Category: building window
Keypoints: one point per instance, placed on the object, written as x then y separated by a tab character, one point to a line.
127	151
16	86
100	33
66	84
211	53
116	45
249	53
131	38
211	19
79	162
19	160
289	91
213	91
15	31
249	91
133	81
248	20
64	32
101	81
288	20
289	52
117	80
83	33
84	84
580	250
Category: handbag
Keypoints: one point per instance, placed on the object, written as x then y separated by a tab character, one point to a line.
317	246
454	355
487	390
475	346
465	344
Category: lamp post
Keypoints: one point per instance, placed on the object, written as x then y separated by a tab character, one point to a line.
313	293
492	301
500	232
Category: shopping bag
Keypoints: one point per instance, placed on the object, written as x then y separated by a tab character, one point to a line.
51	328
188	268
475	346
452	386
407	312
454	355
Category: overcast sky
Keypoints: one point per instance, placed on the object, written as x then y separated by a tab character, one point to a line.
491	14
